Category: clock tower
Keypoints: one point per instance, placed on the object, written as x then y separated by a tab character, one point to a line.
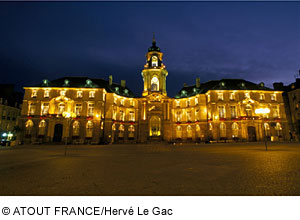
154	73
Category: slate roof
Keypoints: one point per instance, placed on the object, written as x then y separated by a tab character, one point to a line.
86	82
223	84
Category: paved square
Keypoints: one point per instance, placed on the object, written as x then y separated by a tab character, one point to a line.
204	169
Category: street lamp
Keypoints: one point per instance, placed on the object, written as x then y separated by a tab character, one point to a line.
68	116
262	112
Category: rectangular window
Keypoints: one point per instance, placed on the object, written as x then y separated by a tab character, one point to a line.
61	108
122	116
178	116
131	116
221	111
188	116
46	93
208	98
63	92
122	102
34	93
273	97
233	111
196	101
197	115
262	96
79	94
32	108
232	96
78	109
45	108
131	103
91	109
177	103
188	103
275	110
220	96
92	94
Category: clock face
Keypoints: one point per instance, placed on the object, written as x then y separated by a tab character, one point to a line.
154	79
154	59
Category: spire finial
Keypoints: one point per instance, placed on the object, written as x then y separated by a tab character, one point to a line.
153	39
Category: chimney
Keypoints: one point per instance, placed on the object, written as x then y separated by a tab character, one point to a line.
184	85
123	83
110	80
198	82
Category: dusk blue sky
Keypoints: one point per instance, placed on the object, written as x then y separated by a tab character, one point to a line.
256	41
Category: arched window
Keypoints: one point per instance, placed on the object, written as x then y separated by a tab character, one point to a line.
267	129
89	129
178	132
189	131
121	131
278	129
32	109
76	128
42	128
154	83
235	130
154	61
222	130
28	127
131	131
198	130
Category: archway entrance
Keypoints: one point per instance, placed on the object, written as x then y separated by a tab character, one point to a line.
58	130
155	126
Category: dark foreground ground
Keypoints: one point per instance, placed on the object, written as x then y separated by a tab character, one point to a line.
211	169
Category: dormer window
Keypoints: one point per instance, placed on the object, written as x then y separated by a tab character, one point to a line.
154	61
154	83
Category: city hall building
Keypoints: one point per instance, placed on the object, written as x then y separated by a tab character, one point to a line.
85	110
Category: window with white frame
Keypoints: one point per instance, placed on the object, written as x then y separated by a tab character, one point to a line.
232	96
122	102
247	95
196	101
178	116
131	103
275	111
177	103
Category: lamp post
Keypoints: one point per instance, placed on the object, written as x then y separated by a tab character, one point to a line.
262	112
68	116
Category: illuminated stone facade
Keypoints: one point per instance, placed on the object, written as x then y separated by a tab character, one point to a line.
84	110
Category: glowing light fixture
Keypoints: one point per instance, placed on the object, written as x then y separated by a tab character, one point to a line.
262	111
